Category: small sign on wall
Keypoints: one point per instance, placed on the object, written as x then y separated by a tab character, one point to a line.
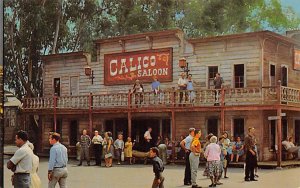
125	68
297	59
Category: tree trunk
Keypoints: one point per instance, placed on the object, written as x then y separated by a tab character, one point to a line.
57	26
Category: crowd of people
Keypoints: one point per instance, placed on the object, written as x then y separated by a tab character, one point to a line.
185	85
218	152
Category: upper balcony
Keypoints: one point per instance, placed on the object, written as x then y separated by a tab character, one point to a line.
168	100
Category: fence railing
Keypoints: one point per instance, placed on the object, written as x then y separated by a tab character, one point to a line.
171	98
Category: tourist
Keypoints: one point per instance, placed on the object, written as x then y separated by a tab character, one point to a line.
119	147
57	168
138	91
85	142
228	146
186	146
169	145
190	88
251	159
207	138
218	83
97	143
290	147
35	179
194	157
148	139
182	83
212	154
108	149
128	150
21	162
223	161
155	86
238	149
158	168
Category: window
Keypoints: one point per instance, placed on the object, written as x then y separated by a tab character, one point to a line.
272	75
57	86
239	76
284	76
284	130
212	71
238	127
212	126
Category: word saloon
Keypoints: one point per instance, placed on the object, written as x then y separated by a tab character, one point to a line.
125	68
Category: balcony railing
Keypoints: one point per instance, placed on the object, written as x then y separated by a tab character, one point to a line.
171	98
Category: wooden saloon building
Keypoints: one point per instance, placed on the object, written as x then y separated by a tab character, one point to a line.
262	88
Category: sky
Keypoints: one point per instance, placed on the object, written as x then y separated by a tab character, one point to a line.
295	4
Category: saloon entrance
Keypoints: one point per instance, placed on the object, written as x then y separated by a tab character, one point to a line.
159	126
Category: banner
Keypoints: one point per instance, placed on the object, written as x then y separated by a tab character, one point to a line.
125	68
297	59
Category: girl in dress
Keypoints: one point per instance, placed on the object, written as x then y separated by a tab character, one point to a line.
128	150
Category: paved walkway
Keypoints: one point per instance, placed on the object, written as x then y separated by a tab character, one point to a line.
141	176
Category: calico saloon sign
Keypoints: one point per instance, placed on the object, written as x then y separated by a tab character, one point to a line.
125	68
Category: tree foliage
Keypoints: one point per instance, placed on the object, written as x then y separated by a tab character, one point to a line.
39	27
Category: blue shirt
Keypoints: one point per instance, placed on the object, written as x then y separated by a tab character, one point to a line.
189	85
58	156
188	140
155	85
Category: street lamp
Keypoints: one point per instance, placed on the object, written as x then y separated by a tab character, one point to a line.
184	65
89	72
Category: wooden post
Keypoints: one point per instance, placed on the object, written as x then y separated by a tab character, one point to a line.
173	134
54	108
129	99
91	113
222	96
222	120
279	126
129	124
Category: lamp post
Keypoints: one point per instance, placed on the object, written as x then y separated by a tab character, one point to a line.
184	65
89	72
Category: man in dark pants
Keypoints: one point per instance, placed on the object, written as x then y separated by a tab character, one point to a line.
251	160
218	83
97	142
186	146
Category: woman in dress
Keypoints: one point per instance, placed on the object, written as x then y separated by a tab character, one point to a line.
128	150
238	149
35	179
108	149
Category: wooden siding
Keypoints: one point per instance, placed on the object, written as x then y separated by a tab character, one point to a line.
225	54
279	54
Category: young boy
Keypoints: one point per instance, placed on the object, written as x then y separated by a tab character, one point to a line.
158	168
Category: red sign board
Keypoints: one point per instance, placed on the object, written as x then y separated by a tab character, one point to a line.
297	59
125	68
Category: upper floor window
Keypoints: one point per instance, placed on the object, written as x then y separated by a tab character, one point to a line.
212	71
239	81
56	86
272	75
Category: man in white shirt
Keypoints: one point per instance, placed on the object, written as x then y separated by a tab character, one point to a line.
21	162
148	138
97	143
290	147
182	83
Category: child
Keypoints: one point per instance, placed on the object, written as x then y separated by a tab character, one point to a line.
128	150
158	168
119	147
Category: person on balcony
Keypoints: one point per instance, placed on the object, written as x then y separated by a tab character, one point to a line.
155	86
218	83
85	142
182	83
190	88
290	147
138	91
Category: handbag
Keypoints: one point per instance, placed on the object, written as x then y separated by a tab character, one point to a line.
122	156
107	155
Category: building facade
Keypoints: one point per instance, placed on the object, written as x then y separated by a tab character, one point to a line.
261	89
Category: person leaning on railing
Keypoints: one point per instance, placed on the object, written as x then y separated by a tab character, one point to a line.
218	83
138	90
182	83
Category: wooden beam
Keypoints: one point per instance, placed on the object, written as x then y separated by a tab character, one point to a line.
129	124
222	120
91	114
173	125
279	138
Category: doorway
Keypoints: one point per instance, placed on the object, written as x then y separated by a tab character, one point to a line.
212	126
73	132
239	81
284	74
297	132
238	128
